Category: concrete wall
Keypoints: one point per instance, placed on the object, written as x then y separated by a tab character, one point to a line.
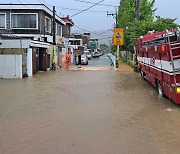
10	66
11	56
16	43
29	62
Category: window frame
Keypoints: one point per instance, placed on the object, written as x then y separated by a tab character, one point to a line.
5	26
57	26
37	22
46	17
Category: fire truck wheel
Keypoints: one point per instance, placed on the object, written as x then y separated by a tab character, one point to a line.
159	88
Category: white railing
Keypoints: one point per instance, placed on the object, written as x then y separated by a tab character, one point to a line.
113	58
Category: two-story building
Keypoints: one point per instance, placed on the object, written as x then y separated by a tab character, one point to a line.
66	30
93	44
26	45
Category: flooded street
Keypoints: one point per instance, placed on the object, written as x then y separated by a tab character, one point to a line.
92	110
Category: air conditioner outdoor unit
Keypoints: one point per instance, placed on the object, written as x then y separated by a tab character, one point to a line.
36	38
41	39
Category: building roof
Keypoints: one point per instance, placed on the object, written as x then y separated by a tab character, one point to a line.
67	20
30	7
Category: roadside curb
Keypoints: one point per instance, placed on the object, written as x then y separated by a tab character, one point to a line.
124	67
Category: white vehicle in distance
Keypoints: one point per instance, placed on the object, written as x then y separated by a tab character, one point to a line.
88	54
84	59
95	54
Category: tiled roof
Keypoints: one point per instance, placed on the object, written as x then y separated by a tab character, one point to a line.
67	20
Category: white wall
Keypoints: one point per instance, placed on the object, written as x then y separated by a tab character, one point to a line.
15	43
29	62
63	55
10	66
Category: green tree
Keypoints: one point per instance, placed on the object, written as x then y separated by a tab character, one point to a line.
164	23
135	28
104	47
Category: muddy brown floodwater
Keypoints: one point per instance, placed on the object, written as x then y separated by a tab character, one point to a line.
86	112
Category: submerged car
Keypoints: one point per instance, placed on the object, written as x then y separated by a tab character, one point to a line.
84	59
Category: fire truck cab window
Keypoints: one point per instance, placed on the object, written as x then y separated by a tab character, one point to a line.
148	43
159	41
173	38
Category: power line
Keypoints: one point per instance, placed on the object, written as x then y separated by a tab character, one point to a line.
71	9
95	3
105	38
78	9
102	33
110	4
85	30
22	3
95	34
48	5
87	8
44	2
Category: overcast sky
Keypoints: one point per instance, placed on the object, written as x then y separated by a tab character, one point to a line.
96	18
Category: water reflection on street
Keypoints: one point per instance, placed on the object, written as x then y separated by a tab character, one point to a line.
86	112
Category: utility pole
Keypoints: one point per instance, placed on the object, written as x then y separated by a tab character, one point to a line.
54	24
54	39
137	9
115	15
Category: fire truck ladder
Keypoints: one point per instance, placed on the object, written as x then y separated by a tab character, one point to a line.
172	47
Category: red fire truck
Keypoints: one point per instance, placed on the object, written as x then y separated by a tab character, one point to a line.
158	55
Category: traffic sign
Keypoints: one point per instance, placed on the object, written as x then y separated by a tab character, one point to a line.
118	36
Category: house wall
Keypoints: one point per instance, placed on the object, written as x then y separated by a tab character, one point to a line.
66	31
19	31
63	56
35	36
41	23
29	62
17	47
11	66
11	57
52	56
15	43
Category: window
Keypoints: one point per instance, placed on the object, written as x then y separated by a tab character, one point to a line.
149	43
59	30
75	42
159	41
173	38
48	24
24	21
2	21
